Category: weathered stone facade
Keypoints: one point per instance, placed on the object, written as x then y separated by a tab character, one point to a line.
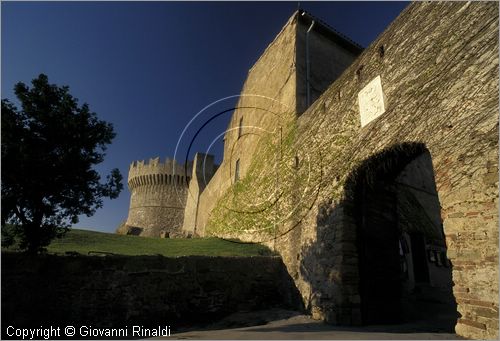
158	196
203	171
394	166
274	94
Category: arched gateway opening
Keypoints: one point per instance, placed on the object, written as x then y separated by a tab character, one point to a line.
404	273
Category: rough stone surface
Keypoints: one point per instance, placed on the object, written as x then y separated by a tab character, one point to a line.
438	63
303	169
203	171
119	291
158	196
273	95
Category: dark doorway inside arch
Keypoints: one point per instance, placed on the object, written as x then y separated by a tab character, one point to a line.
405	275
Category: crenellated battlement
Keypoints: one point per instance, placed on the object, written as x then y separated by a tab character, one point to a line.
155	172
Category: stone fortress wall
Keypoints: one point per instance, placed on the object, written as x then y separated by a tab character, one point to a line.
158	193
410	124
202	174
262	111
427	86
161	193
274	94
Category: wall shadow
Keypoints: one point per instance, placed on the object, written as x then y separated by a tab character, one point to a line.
380	253
150	291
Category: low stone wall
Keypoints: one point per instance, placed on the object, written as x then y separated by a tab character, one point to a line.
119	291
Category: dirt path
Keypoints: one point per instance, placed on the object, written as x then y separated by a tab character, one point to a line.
291	325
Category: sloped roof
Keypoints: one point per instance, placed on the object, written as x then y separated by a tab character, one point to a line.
329	32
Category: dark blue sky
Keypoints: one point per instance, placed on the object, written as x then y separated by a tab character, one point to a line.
149	67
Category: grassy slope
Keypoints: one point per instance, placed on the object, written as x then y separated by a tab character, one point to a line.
83	241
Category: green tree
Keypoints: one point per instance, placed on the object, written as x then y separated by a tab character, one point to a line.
49	148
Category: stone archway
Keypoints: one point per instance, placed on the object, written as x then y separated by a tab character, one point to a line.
404	273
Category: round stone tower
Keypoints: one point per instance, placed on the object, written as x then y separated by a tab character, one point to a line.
158	193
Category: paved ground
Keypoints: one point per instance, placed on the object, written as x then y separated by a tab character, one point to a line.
291	325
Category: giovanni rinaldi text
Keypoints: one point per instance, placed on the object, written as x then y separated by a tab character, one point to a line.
85	331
